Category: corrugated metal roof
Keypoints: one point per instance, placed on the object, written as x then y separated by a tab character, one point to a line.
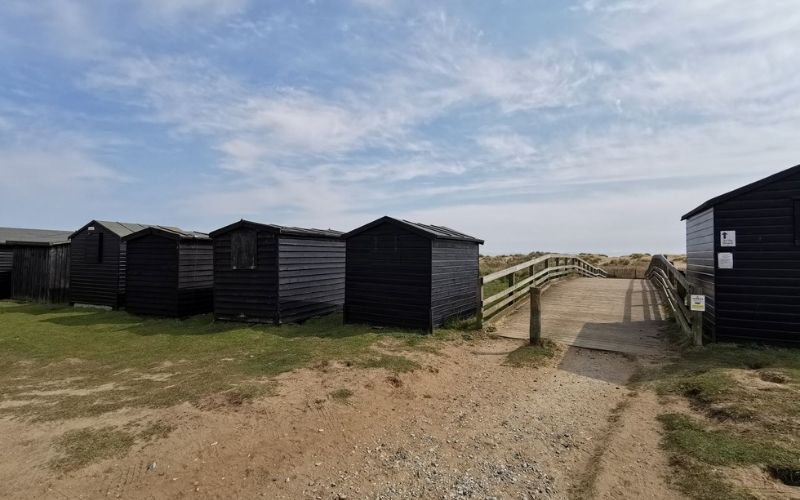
742	190
18	235
428	230
172	232
283	230
443	232
123	229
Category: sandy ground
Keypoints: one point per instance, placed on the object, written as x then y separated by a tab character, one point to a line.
465	426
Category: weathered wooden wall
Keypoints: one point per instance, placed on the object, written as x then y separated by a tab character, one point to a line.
388	278
93	282
195	277
39	273
759	299
152	276
6	260
246	294
700	265
311	277
454	283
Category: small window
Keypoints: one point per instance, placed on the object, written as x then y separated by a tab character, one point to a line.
243	250
797	222
99	248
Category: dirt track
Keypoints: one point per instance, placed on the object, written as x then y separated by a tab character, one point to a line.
465	426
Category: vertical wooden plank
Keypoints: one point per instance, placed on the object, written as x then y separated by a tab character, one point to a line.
536	315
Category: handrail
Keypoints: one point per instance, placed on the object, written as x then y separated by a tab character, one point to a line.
542	271
676	289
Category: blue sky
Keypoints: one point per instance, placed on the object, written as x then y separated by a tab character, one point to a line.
536	125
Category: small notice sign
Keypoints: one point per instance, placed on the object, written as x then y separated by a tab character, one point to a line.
698	303
725	260
727	238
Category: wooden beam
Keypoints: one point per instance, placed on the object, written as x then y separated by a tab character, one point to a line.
536	315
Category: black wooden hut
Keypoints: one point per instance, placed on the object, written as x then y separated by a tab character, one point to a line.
412	275
169	272
743	251
276	274
34	264
97	268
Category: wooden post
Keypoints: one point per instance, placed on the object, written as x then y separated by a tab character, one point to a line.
536	315
480	303
513	285
696	318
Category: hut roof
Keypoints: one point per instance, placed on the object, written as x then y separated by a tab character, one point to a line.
122	229
427	230
169	232
282	230
743	190
22	236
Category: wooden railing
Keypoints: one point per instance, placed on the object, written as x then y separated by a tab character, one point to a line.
539	272
676	289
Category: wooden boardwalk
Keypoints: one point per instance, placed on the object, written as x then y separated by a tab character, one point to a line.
621	315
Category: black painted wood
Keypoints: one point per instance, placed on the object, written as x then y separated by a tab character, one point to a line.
759	299
700	263
298	273
93	280
400	276
169	275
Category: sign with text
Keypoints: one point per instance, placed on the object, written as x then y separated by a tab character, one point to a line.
698	303
727	238
725	260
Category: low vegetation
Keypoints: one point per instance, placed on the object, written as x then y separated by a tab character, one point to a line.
81	447
60	362
533	355
342	395
743	413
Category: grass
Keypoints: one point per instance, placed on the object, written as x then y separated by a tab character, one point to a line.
341	395
532	355
392	363
81	447
744	401
60	362
690	437
705	376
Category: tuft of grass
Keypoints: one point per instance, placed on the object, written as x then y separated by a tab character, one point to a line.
532	355
463	324
245	393
392	363
341	395
82	447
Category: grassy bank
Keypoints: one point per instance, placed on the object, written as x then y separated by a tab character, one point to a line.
743	414
61	362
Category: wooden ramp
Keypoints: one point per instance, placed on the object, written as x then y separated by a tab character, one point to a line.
621	315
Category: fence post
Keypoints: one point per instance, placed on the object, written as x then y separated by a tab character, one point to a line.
696	319
480	302
536	315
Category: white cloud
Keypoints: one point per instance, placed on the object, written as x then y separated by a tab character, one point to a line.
180	9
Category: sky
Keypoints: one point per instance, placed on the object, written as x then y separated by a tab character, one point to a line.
536	125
